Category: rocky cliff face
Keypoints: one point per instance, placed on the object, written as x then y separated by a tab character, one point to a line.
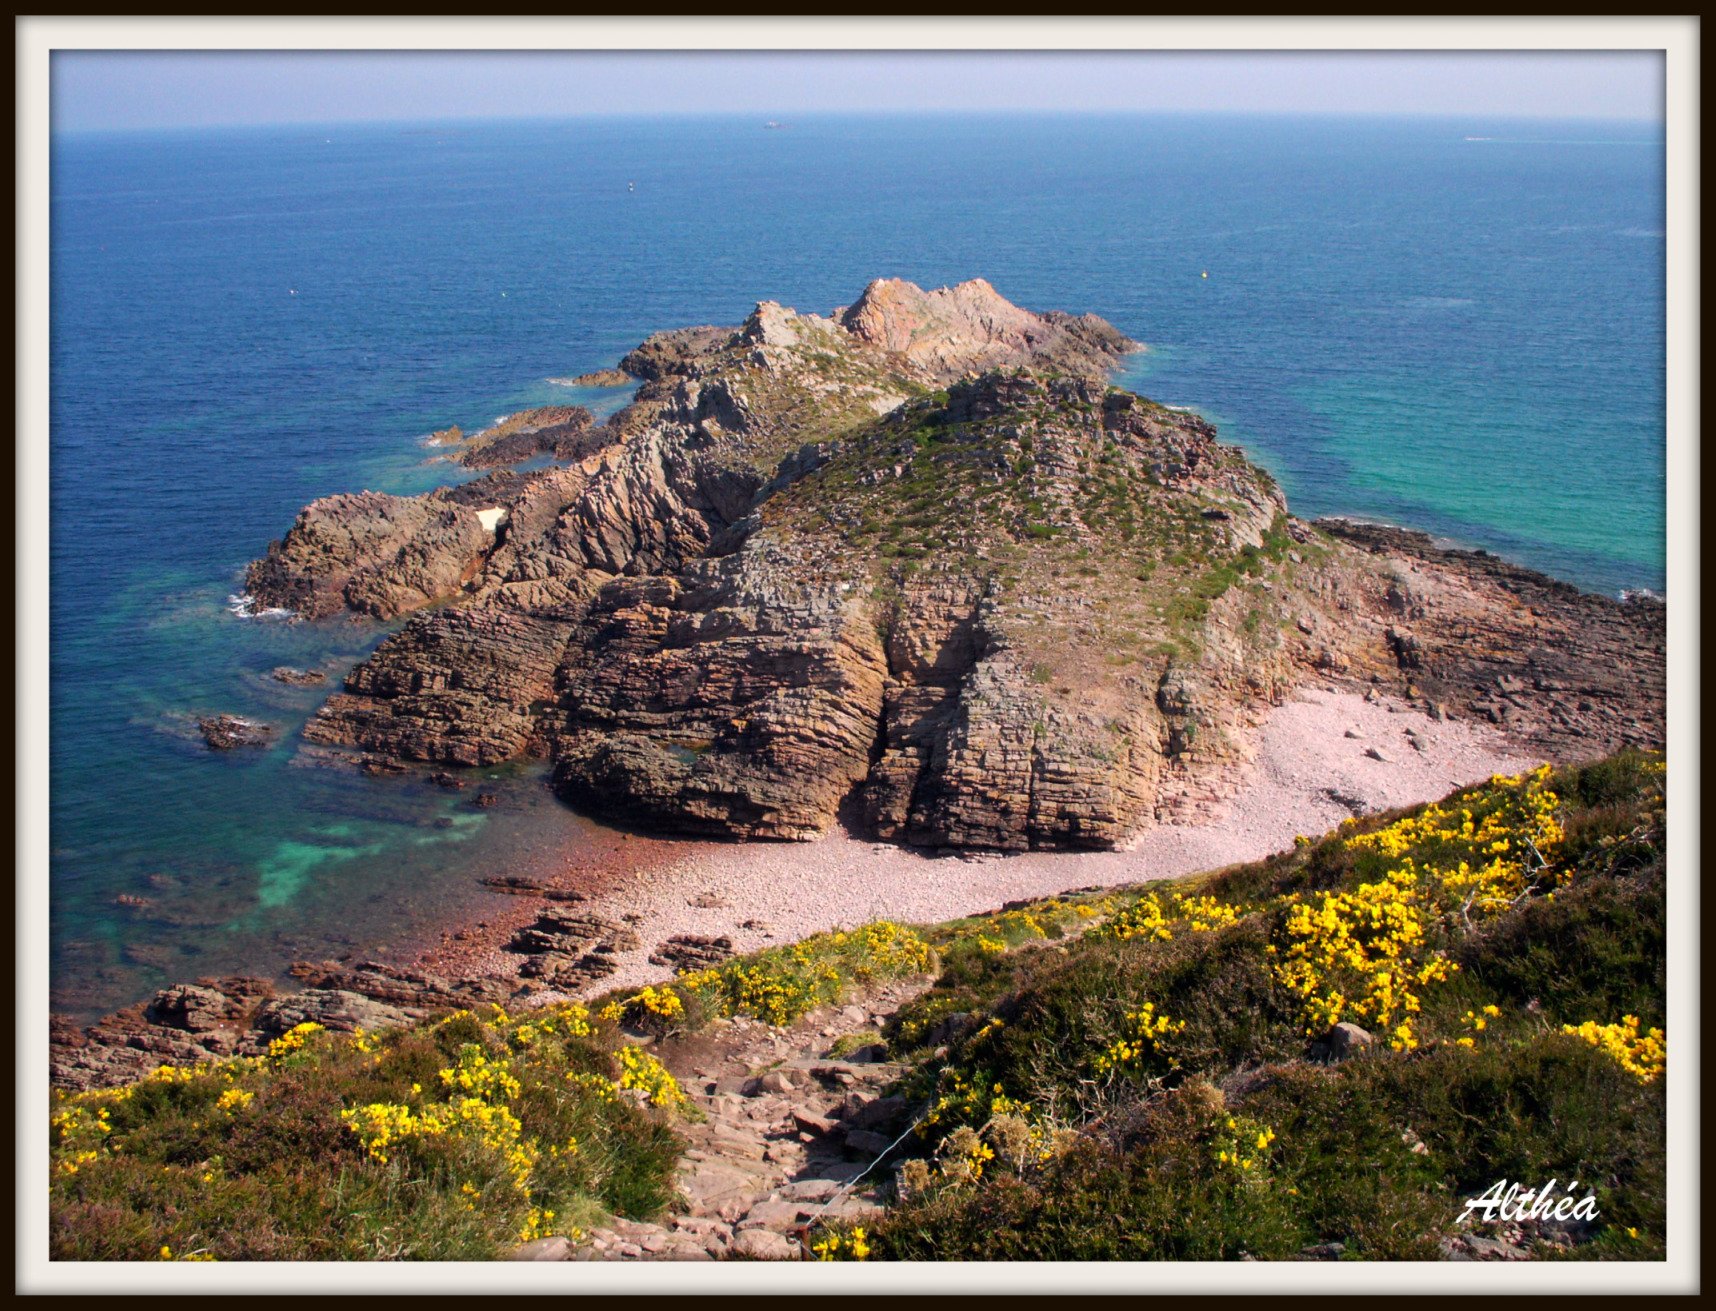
917	556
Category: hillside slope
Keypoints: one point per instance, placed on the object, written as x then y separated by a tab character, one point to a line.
1323	1054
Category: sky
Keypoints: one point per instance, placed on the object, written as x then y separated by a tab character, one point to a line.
138	89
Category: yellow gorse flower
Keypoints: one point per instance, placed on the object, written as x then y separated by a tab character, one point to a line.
234	1099
477	1074
1151	919
1241	1144
1363	954
642	1071
854	1247
782	984
664	1003
293	1039
1145	1031
1642	1055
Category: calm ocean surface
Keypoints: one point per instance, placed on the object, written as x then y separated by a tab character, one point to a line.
1401	321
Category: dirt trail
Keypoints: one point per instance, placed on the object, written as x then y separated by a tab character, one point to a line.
789	1139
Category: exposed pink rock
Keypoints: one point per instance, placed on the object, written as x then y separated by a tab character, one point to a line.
376	554
953	332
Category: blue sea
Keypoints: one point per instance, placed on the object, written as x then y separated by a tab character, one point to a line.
1456	325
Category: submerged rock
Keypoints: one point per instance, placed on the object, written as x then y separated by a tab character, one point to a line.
563	431
297	677
598	378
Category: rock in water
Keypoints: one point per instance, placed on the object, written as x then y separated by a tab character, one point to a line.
598	378
563	431
228	732
297	677
920	555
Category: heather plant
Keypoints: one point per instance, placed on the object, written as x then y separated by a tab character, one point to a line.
455	1139
1507	945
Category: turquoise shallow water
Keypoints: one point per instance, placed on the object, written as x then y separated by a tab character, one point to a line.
1457	335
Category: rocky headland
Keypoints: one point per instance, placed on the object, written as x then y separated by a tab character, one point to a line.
917	566
918	554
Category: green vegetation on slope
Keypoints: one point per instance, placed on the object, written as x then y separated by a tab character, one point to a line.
1136	1074
453	1140
1151	1090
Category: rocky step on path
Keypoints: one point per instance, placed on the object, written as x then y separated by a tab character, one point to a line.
792	1138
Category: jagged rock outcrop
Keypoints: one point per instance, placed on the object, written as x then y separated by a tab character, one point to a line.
953	332
691	951
1571	674
739	698
453	687
918	553
570	949
215	1019
372	553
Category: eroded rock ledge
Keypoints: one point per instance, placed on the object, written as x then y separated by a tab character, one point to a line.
917	555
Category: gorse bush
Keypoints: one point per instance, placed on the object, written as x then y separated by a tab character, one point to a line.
455	1139
783	983
1506	944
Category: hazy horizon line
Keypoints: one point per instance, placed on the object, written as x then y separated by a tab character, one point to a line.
881	111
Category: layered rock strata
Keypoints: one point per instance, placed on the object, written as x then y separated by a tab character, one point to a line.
919	557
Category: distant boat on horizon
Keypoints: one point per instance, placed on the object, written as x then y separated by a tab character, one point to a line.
772	123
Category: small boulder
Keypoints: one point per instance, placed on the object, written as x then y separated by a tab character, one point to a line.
762	1245
867	1142
812	1123
596	378
876	1113
554	1248
297	677
1342	1041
